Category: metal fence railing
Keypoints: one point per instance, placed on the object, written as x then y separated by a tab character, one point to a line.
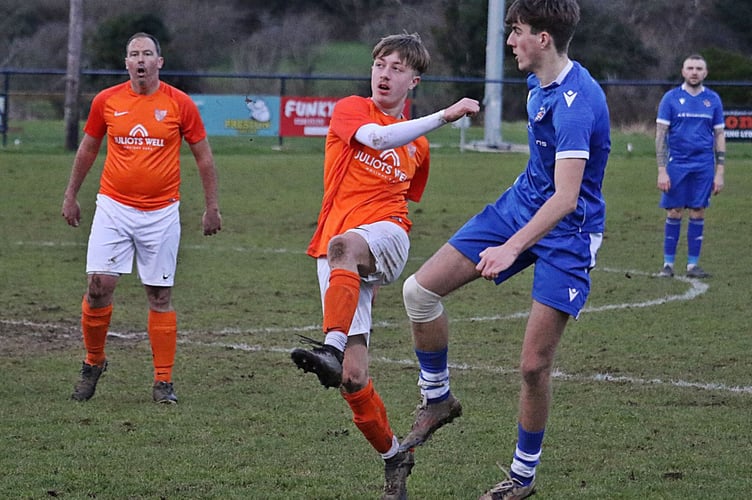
39	93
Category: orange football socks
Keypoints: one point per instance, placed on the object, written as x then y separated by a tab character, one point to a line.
94	326
341	300
369	415
163	335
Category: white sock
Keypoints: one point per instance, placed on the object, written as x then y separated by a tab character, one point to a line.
393	450
336	339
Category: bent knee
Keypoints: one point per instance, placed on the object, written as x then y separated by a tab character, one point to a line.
354	384
337	249
422	305
354	378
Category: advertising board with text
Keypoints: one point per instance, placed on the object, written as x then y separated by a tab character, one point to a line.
738	124
309	116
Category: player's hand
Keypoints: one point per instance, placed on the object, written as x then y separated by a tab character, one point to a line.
718	184
494	260
212	222
664	182
463	107
71	211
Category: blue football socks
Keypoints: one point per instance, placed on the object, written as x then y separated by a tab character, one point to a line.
694	241
434	375
526	455
671	240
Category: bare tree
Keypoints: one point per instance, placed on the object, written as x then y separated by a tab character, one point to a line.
73	73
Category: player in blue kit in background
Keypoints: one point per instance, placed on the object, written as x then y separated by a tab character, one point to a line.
690	148
552	217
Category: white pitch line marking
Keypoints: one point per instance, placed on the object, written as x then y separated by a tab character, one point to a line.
557	374
696	289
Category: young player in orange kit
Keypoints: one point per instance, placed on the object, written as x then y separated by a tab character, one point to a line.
374	162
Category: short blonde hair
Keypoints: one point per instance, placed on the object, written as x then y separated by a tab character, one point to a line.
408	46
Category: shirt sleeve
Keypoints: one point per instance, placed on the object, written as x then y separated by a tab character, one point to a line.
574	127
192	126
664	111
420	178
719	121
348	116
95	124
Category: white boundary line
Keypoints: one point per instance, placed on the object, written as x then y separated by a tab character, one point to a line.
557	374
696	289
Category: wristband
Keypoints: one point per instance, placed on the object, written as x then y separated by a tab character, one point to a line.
720	157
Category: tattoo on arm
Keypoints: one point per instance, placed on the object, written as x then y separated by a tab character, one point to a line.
661	150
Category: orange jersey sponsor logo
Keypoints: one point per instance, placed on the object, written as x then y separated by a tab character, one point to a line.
386	165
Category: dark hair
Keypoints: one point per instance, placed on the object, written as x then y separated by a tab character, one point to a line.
141	34
409	47
696	57
558	18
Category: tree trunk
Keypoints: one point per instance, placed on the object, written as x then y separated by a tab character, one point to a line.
73	73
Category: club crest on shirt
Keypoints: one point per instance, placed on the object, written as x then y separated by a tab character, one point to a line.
541	113
706	103
159	114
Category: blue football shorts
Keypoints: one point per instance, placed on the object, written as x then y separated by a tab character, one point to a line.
690	188
561	277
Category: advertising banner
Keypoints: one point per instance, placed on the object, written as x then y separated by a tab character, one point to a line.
267	115
738	124
309	116
241	115
306	116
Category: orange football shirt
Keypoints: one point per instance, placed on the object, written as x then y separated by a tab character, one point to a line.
363	185
144	134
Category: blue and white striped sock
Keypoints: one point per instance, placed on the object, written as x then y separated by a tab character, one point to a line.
434	375
526	455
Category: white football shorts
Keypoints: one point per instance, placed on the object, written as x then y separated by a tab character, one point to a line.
390	246
118	232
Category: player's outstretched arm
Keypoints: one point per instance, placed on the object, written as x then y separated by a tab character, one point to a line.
461	108
398	134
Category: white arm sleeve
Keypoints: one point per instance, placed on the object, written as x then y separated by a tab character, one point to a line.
398	134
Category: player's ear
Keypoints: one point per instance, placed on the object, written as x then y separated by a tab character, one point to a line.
160	62
544	38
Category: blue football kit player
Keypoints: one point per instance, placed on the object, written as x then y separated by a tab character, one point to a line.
690	150
552	217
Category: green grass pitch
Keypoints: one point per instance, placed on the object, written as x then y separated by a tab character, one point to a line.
652	394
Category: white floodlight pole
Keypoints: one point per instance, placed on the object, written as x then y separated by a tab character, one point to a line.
494	71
